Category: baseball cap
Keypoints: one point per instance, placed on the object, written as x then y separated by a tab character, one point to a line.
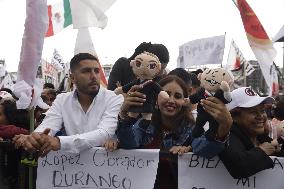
245	97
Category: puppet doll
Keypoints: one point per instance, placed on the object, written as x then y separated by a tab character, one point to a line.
213	82
145	66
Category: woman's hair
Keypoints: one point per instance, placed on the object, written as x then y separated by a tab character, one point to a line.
182	118
17	117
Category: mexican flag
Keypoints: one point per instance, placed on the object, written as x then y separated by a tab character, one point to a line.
80	13
59	17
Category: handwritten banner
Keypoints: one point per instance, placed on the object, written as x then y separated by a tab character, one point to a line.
201	52
96	168
196	172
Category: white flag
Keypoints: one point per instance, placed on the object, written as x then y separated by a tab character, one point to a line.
279	37
2	68
32	44
202	51
236	61
90	13
7	82
57	61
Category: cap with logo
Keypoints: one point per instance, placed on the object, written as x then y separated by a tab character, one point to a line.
245	97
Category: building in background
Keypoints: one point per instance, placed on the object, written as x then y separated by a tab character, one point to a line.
257	82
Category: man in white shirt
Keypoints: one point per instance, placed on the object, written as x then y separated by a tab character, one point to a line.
88	115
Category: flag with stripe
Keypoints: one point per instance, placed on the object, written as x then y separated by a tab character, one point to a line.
80	13
59	17
274	80
237	63
258	39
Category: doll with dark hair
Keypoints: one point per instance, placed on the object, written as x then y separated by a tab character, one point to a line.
122	74
145	66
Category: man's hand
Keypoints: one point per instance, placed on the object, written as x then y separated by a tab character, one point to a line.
30	143
48	143
111	144
19	140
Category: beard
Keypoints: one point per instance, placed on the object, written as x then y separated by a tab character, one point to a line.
85	90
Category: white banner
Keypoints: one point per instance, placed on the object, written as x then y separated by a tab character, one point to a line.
202	51
196	172
96	168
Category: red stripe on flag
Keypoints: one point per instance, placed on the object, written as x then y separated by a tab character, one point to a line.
251	23
50	27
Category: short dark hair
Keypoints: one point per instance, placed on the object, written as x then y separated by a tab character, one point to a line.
195	82
48	86
188	78
79	57
182	74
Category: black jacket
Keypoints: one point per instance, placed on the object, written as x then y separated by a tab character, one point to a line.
121	72
241	158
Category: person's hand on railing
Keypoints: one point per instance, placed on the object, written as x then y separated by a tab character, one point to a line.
180	150
111	144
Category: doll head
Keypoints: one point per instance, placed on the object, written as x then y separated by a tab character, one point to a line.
146	65
211	79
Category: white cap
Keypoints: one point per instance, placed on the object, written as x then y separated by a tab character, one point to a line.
245	97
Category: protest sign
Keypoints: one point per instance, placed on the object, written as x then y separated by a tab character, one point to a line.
195	172
96	168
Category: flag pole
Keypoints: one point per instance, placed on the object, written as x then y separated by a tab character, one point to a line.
283	61
31	172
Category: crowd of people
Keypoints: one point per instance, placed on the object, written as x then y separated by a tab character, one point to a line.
250	127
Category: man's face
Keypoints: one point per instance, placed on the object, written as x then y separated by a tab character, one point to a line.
86	77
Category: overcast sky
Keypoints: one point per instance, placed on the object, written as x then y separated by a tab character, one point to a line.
171	22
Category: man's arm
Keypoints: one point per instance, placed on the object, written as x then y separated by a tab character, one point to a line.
53	119
105	129
50	125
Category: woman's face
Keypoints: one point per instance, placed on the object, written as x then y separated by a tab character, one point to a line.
252	119
3	119
172	106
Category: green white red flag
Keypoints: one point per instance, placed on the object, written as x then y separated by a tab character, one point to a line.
59	17
259	41
80	13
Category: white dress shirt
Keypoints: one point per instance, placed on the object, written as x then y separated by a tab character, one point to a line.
83	129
